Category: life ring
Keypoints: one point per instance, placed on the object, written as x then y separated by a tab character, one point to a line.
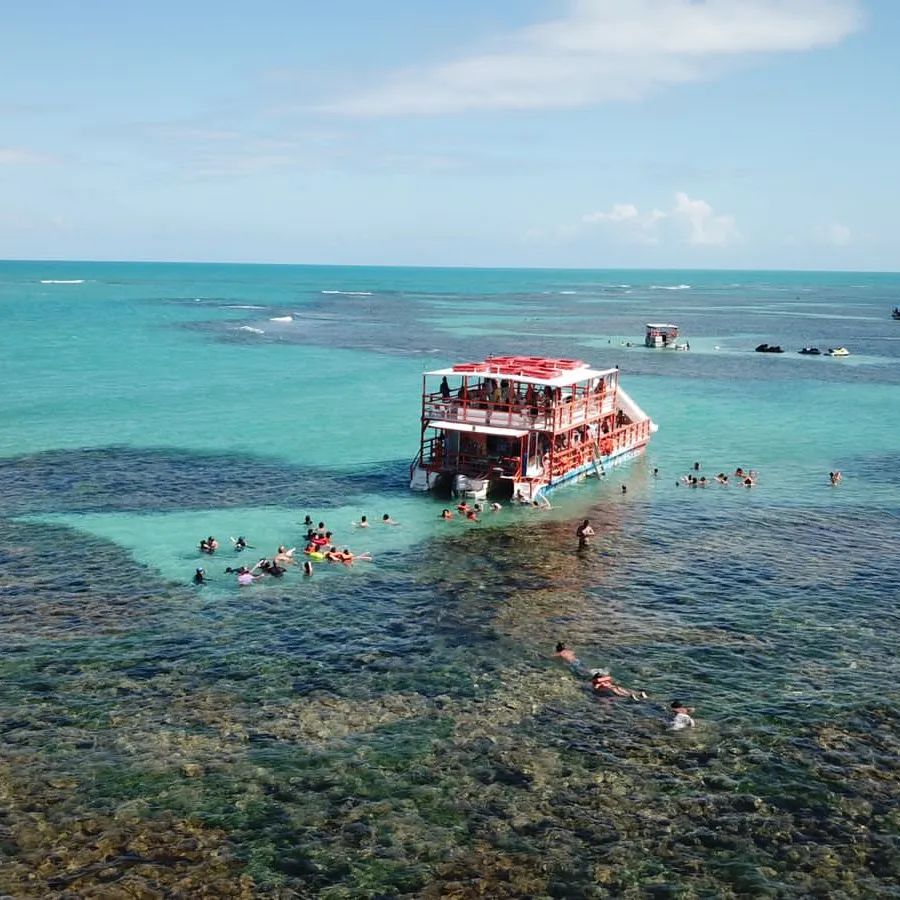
314	554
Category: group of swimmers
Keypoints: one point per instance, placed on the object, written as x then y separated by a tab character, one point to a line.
470	513
743	477
319	546
603	685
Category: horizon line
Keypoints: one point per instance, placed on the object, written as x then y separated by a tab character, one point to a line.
202	262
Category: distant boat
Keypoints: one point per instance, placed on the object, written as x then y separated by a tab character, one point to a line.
765	348
811	351
895	314
837	351
664	335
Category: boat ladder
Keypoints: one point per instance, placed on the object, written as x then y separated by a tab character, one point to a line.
598	462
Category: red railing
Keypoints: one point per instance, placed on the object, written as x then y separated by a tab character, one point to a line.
537	416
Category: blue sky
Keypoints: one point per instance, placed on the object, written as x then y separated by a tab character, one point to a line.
595	133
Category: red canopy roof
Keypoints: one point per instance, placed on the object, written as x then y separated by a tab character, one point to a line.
529	366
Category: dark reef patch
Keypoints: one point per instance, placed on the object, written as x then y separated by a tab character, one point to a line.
119	479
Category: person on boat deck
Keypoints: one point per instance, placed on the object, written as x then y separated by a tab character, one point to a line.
199	576
682	716
445	388
387	520
584	532
446	514
602	682
240	543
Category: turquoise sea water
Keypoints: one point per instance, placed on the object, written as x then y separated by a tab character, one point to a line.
400	728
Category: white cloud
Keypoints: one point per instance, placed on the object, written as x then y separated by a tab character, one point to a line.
13	156
639	227
688	221
603	50
836	235
703	226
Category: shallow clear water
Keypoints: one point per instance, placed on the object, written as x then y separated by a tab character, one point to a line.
400	727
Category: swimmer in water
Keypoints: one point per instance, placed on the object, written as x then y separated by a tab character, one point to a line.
284	557
363	522
446	514
584	533
566	655
462	507
541	502
834	478
244	576
602	682
307	522
200	576
681	716
387	520
496	507
209	545
240	544
472	515
270	567
307	568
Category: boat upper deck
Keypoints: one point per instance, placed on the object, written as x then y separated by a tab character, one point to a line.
536	370
514	395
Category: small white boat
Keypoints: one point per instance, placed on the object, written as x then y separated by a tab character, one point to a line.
837	351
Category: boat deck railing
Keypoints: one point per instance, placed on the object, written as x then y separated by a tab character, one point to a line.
560	416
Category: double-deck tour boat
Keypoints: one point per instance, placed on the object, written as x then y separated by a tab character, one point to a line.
519	426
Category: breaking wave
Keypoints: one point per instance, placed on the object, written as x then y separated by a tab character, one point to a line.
351	293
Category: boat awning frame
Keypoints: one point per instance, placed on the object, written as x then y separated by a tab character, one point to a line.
446	425
564	379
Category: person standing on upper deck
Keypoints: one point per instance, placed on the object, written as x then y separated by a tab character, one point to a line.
445	388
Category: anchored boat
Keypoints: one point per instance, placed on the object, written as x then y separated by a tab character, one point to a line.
519	426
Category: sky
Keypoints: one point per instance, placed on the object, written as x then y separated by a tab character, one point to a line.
556	133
